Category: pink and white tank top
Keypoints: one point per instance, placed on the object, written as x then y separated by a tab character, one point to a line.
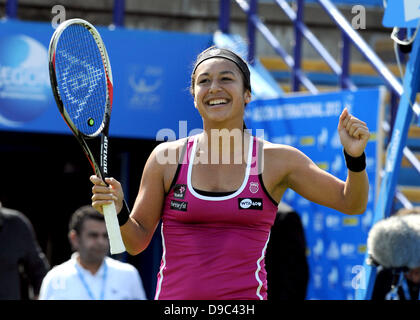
214	243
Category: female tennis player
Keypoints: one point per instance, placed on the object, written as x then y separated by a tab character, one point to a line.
217	214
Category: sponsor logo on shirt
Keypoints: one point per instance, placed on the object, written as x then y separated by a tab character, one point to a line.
179	205
250	203
179	191
253	187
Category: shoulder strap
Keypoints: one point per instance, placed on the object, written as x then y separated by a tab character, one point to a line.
183	159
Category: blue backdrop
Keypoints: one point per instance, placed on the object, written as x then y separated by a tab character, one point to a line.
151	72
336	243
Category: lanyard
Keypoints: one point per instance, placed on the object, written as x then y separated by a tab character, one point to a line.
82	279
407	294
393	293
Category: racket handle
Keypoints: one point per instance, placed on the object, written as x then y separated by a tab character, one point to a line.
115	241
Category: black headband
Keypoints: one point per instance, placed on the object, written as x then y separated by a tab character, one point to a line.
214	52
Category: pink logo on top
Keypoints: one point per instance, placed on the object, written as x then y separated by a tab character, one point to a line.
254	187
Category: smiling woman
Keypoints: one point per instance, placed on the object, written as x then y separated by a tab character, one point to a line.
217	213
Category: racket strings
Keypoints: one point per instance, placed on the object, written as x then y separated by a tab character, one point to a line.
81	79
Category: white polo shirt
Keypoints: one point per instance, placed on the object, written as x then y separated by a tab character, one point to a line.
114	280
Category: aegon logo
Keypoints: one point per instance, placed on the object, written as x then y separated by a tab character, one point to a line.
21	76
250	203
25	89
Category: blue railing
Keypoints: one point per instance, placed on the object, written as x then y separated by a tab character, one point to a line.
11	8
255	23
118	14
300	30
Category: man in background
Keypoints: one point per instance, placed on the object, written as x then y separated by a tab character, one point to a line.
90	274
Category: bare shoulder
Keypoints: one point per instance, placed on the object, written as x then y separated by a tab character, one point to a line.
166	157
168	153
173	145
278	162
278	152
281	160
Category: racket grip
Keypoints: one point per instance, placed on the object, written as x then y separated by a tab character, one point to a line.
111	221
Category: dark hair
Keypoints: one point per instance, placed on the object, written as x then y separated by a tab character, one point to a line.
82	214
214	52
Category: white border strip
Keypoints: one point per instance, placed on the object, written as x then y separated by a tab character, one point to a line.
230	196
259	268
163	265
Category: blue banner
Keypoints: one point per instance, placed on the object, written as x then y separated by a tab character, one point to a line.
151	72
336	243
402	14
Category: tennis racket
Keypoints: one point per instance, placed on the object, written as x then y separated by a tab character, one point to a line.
81	80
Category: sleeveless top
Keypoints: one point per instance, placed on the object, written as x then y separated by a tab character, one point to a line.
214	243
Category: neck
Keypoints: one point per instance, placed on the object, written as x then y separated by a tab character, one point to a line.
231	124
93	267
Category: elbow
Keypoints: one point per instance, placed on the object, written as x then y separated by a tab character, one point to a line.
137	239
132	252
361	206
356	202
135	250
358	211
354	210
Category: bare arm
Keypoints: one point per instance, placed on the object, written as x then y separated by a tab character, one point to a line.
319	186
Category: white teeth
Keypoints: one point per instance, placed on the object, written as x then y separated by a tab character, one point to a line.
217	101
